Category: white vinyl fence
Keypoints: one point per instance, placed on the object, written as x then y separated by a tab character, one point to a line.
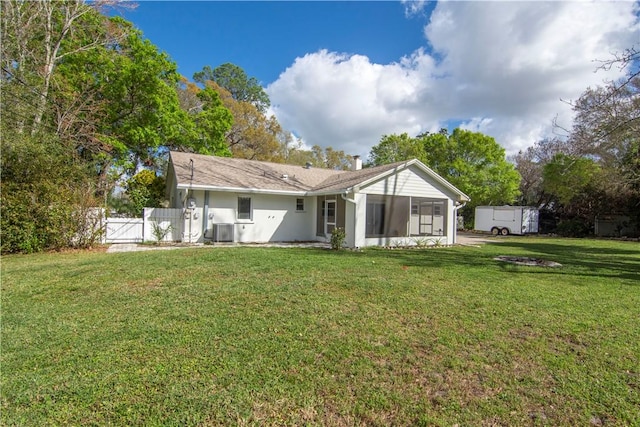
124	230
156	223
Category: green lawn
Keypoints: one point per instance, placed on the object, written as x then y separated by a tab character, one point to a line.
272	336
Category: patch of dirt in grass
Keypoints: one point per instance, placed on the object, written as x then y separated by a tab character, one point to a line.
523	334
532	262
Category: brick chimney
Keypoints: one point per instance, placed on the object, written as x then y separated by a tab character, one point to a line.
356	163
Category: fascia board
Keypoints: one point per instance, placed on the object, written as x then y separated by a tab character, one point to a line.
326	193
241	190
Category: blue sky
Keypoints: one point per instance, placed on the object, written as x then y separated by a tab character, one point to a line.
264	37
343	74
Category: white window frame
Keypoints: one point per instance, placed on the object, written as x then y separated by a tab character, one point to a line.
298	205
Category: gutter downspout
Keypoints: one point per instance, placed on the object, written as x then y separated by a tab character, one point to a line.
455	233
345	198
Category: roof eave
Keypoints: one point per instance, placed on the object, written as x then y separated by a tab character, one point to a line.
242	190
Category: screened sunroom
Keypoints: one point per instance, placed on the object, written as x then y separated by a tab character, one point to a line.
404	216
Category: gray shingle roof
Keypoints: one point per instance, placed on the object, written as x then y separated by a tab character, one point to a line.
225	172
348	179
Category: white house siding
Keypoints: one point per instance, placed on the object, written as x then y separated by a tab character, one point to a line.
409	182
274	217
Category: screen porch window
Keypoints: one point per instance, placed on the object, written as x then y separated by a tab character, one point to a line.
375	218
427	217
244	207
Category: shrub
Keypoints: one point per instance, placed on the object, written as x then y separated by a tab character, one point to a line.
47	197
573	228
160	233
145	190
338	238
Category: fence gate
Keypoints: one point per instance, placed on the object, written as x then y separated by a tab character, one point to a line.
156	222
124	230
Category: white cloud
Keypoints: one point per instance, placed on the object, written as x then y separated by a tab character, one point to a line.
413	7
500	68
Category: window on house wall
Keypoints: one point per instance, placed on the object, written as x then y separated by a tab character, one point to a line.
299	205
244	207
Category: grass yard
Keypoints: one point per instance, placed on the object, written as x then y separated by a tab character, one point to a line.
272	336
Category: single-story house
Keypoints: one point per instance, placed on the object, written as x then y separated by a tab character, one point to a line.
237	200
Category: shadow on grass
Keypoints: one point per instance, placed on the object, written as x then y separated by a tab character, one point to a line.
621	262
576	258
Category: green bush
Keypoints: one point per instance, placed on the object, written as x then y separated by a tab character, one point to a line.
338	238
573	228
47	197
145	190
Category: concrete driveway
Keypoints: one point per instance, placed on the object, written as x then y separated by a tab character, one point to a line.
465	238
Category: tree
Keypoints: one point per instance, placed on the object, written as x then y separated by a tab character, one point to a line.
337	159
145	190
606	131
90	90
330	158
103	87
252	135
530	164
143	111
476	164
567	177
292	150
47	195
471	161
395	148
211	124
37	36
139	115
211	120
234	79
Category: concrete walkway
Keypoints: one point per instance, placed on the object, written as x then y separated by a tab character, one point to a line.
465	239
134	247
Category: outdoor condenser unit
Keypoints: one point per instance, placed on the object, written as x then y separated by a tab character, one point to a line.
223	232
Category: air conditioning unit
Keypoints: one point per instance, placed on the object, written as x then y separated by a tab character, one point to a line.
223	232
